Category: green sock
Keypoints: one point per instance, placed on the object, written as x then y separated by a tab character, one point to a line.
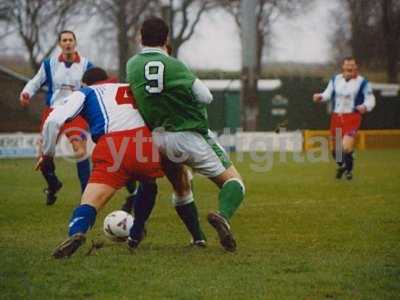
190	217
230	197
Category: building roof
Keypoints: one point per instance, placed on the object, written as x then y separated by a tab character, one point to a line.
235	84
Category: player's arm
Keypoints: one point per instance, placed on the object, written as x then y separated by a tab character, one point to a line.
201	92
325	95
71	107
33	86
369	100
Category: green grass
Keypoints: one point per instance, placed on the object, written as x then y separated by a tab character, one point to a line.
301	235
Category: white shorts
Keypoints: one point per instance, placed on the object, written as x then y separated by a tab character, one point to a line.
198	151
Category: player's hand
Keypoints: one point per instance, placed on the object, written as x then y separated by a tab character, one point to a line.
24	99
317	98
39	162
362	109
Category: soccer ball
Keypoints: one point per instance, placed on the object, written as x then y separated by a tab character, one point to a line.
117	225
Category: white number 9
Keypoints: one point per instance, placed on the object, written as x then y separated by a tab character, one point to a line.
157	77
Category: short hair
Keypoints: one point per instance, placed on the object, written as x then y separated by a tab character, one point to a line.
94	75
66	31
154	32
349	58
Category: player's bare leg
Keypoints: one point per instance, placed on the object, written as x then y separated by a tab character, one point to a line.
79	147
183	199
94	198
230	197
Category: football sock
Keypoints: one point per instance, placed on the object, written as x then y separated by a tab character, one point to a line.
48	172
131	187
187	212
230	197
83	217
338	158
349	161
128	205
83	168
144	200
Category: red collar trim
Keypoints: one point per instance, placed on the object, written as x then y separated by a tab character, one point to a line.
77	58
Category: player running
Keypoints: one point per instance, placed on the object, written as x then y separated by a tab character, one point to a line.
173	103
62	76
351	96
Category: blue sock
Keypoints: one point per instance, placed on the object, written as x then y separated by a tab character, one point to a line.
131	186
349	161
83	168
143	203
82	219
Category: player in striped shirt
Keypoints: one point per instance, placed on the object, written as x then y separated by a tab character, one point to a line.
124	152
351	96
62	76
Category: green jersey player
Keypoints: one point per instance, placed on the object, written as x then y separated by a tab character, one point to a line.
163	91
173	103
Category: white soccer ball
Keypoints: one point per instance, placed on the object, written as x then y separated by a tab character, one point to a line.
117	225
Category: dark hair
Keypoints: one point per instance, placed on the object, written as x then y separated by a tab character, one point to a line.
154	32
350	58
66	31
94	75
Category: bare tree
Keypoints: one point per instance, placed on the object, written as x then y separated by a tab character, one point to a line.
341	37
268	12
5	28
124	16
183	17
391	34
37	23
372	32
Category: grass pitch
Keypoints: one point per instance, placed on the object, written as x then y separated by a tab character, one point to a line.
301	235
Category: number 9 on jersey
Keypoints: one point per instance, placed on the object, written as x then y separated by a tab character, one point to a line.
154	73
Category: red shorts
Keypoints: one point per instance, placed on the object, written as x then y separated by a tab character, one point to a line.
77	127
118	158
345	124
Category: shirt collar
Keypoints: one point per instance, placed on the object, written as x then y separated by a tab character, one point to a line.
77	58
153	50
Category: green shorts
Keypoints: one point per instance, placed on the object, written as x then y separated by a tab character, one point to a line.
199	151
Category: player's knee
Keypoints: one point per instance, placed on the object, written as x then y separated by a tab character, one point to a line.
79	148
347	148
179	200
228	174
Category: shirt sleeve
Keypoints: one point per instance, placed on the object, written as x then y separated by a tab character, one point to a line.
69	109
201	92
369	98
36	82
327	94
89	65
